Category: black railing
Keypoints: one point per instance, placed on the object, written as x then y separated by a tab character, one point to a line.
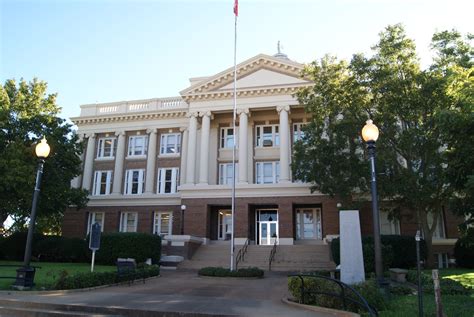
272	255
241	254
347	294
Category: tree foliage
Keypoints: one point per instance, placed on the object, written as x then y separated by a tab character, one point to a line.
27	114
425	150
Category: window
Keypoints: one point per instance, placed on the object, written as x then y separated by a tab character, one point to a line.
128	222
225	173
227	137
170	143
268	172
439	232
134	181
102	182
163	223
106	148
167	180
388	226
137	145
93	218
298	133
267	135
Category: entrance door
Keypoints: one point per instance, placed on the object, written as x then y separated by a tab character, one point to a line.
224	224
308	223
267	226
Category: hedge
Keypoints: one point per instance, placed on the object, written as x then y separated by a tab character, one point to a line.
60	249
13	247
447	286
224	272
139	246
464	250
397	251
86	280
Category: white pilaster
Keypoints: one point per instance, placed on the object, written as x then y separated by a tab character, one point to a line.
204	159
184	155
150	161
284	144
119	158
243	146
88	164
191	159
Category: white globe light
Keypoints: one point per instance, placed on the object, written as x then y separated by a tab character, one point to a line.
42	149
370	132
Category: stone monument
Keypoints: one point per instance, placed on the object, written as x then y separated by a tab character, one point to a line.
352	258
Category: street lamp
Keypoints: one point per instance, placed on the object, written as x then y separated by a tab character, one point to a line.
26	274
183	208
370	134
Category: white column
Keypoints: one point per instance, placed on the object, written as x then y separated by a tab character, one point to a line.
88	164
119	158
284	144
243	146
192	139
204	159
150	161
184	155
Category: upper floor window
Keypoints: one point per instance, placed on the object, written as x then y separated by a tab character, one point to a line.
163	223
170	143
137	145
267	135
439	232
93	218
388	226
167	180
298	132
227	137
128	222
268	172
102	183
134	181
225	173
106	147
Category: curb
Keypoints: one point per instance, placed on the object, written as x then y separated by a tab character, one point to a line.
334	312
77	290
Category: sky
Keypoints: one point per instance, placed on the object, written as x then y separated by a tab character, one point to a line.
94	51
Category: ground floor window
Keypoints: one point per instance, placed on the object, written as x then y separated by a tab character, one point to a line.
308	223
128	222
388	226
93	218
163	223
441	260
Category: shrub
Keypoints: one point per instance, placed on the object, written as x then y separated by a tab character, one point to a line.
86	280
224	272
447	286
60	249
14	245
401	290
372	294
2	254
464	250
139	246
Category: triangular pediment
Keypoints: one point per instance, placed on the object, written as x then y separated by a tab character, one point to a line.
259	72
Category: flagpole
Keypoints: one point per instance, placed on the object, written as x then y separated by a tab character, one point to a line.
234	143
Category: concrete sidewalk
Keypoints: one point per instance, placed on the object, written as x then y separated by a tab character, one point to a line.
185	291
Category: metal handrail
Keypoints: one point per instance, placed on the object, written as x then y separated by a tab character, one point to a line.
272	255
360	301
241	254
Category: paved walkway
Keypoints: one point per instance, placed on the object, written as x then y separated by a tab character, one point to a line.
184	291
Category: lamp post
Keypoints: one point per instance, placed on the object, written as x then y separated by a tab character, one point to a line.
418	272
26	274
183	209
370	134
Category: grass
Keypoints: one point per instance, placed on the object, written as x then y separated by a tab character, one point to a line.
48	273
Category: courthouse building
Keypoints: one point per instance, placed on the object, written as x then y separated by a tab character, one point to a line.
148	163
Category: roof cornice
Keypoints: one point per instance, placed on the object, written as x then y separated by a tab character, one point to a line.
128	117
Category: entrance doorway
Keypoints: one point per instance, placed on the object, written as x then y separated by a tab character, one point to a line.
267	226
308	223
224	224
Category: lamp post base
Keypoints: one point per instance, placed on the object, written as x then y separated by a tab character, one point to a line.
25	277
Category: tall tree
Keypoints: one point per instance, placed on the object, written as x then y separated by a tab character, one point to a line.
416	163
27	114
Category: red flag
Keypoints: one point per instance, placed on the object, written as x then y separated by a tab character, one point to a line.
236	8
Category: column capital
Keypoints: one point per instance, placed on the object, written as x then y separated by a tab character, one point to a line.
152	130
182	129
243	111
193	114
90	135
206	114
120	133
283	108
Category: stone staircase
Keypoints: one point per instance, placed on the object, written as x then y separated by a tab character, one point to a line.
288	258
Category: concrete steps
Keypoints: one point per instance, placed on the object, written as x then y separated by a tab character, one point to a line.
208	255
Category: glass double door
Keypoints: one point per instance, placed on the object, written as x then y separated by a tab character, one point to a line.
224	225
308	223
267	226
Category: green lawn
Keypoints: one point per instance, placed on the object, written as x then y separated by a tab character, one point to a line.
48	273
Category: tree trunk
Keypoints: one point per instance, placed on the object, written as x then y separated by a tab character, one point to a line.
429	264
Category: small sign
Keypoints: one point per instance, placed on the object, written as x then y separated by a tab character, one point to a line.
94	241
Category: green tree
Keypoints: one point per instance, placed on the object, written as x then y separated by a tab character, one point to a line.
417	158
27	114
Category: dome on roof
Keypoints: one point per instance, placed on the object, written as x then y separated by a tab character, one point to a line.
279	54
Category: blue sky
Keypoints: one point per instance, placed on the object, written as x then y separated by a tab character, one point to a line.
101	50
